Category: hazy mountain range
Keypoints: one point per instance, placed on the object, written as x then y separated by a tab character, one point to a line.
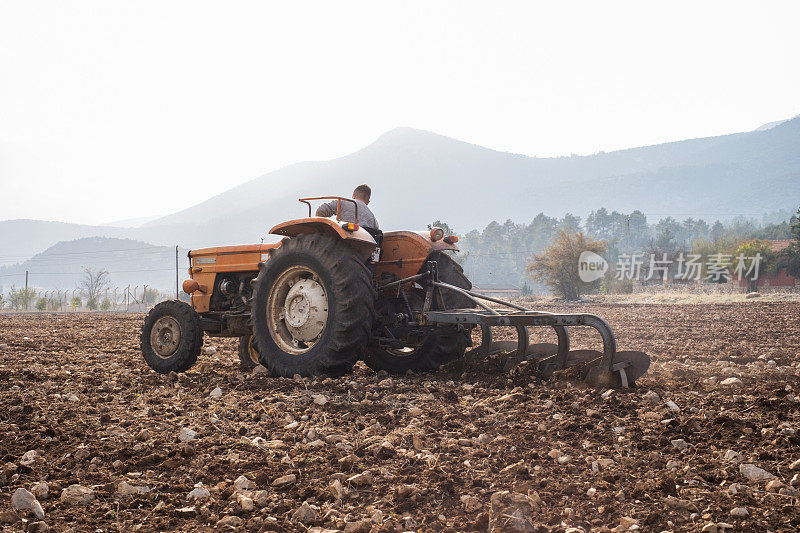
128	262
418	177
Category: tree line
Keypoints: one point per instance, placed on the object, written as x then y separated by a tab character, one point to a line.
500	253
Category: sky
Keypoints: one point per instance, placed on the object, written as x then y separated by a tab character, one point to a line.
112	110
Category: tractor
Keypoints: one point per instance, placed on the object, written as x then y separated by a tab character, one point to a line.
331	293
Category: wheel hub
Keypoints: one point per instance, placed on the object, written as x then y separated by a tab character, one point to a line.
305	310
165	337
297	309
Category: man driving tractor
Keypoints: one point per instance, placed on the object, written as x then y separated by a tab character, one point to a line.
347	213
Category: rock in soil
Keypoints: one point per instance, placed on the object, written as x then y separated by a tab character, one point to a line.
77	495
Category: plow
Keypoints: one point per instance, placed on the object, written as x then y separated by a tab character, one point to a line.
606	368
331	293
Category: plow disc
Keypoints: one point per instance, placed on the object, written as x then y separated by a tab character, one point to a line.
626	365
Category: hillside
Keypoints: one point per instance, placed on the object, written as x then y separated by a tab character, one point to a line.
419	176
129	262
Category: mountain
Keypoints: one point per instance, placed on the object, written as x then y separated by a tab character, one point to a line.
128	262
419	176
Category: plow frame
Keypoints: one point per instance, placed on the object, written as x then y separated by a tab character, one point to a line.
603	373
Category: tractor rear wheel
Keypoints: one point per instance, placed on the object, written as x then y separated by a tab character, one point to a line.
171	337
313	307
427	355
433	351
248	352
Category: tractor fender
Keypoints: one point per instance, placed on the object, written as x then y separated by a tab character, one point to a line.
404	252
360	240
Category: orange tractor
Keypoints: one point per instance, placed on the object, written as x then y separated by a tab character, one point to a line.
331	293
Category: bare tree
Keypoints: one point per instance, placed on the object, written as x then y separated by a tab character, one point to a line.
93	283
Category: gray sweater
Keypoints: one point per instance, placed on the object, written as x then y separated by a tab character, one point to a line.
347	213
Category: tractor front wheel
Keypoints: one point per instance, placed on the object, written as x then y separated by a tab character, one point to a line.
171	337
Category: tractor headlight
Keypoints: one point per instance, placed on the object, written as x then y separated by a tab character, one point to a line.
437	234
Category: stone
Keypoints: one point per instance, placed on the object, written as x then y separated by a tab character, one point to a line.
242	483
144	435
404	492
245	502
305	513
337	489
795	481
673	407
29	458
730	382
415	411
733	456
216	393
471	503
740	512
754	473
680	444
38	527
362	479
199	493
9	518
126	489
118	465
77	495
358	526
604	462
186	434
680	505
626	522
651	396
775	485
23	499
555	453
261	498
41	490
319	399
231	522
795	465
711	527
513	511
751	295
285	481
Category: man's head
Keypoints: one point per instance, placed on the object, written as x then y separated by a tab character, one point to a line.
362	192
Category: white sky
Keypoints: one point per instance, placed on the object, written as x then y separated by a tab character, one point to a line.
111	110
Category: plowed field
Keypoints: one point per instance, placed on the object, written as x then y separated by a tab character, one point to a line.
417	452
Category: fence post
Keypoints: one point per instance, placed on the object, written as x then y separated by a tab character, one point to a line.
26	290
177	296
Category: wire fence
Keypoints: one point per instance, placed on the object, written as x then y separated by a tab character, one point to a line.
61	281
128	299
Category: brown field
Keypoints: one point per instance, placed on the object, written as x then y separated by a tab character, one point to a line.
431	449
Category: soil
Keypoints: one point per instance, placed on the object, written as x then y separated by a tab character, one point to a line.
417	452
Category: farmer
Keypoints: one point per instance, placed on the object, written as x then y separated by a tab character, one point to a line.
347	211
